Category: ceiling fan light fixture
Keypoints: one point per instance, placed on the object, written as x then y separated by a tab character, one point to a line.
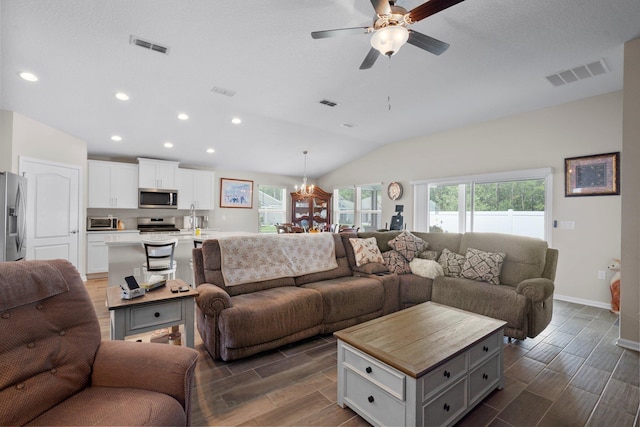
389	40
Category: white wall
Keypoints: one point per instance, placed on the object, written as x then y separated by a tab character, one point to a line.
541	138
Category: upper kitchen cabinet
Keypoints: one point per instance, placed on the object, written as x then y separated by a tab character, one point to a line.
113	185
195	187
157	174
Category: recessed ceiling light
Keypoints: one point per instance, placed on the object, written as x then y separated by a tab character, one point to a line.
210	150
183	116
116	138
168	145
30	77
122	96
236	120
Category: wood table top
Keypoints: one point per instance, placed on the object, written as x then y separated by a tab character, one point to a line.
418	339
163	293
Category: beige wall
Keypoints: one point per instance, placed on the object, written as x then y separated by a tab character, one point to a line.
542	138
630	275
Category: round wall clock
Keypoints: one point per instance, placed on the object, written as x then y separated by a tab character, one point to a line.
394	191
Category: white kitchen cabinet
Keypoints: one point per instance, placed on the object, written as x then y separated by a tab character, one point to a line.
195	187
97	253
157	174
113	185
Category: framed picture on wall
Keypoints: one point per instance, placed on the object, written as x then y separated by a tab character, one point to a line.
597	175
236	193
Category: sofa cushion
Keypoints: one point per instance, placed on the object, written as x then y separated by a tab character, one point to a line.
365	250
414	290
396	263
451	263
267	315
371	268
482	266
426	268
348	297
408	245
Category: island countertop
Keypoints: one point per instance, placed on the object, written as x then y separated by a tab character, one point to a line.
136	239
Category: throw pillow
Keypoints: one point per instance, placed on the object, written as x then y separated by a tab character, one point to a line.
451	263
366	250
396	263
372	268
408	245
432	255
483	266
426	268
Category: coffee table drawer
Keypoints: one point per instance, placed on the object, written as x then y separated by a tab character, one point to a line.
381	407
484	348
156	314
444	375
446	407
373	371
484	378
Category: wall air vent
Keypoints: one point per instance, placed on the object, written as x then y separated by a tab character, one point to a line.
328	103
580	72
223	91
137	41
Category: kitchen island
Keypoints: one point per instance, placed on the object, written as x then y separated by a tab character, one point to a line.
126	254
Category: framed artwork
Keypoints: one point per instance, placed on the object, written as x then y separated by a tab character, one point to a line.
236	193
394	190
597	175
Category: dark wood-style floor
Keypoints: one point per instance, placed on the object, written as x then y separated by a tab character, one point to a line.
572	374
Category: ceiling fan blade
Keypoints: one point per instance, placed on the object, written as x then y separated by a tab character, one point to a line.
427	43
381	6
340	32
370	59
430	8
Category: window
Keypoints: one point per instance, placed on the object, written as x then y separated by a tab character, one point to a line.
511	202
344	205
272	207
370	207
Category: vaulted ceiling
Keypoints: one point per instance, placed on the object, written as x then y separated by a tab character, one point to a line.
256	60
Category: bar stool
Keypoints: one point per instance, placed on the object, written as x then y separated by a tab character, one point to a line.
159	255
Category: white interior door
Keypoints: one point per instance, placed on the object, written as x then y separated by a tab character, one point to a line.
53	221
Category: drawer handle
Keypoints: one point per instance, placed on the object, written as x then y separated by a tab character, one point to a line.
485	376
447	374
370	399
485	348
156	314
369	370
446	407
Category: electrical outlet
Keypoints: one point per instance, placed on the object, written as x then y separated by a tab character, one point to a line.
601	275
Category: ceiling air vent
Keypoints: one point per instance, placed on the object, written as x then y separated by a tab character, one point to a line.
148	45
578	73
223	91
328	103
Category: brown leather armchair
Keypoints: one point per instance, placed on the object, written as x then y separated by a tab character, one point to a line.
55	370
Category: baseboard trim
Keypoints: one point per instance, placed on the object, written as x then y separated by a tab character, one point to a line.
628	344
582	301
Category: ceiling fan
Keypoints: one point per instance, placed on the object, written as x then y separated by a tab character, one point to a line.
390	30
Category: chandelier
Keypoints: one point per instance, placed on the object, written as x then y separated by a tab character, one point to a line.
305	190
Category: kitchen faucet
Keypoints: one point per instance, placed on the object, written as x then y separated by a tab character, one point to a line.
192	213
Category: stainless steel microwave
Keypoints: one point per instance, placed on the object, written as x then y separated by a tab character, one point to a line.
96	223
157	198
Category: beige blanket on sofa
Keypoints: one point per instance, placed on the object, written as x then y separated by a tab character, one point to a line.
261	257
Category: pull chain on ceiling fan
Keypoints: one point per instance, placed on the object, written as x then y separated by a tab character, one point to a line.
390	30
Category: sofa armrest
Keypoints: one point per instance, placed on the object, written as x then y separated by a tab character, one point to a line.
212	300
536	290
163	368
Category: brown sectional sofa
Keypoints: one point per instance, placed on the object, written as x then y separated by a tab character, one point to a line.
239	321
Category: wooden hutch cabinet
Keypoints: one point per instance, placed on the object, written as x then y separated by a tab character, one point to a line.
312	210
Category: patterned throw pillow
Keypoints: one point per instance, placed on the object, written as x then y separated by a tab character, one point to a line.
408	245
366	250
396	262
451	263
432	255
483	266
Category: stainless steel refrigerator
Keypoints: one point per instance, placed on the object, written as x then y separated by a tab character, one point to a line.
13	217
